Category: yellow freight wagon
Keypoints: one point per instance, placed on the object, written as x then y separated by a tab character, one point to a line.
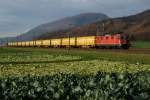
55	42
10	44
86	41
18	43
65	41
38	43
27	43
23	44
31	43
46	42
15	43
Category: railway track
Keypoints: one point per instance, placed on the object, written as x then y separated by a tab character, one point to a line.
129	51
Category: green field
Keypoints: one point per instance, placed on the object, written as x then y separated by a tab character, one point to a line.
73	74
21	62
141	44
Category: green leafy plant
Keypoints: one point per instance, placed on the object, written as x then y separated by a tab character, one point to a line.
108	86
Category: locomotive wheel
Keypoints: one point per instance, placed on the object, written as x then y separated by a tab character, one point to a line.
125	46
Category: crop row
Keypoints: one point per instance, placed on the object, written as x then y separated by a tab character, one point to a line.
102	86
70	66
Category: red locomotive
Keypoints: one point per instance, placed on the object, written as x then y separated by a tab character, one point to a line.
113	41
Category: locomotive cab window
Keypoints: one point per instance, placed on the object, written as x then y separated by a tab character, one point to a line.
124	37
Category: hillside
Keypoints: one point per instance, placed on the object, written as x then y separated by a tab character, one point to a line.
64	24
137	26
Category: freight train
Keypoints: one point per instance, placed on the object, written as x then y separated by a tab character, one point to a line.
107	41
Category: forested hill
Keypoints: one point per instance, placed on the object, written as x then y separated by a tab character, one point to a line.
137	26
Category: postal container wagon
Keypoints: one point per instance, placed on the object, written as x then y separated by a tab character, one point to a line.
86	41
67	42
56	42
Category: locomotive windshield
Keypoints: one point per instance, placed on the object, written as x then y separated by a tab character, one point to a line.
125	37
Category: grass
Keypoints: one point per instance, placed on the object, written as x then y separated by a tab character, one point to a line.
39	62
37	54
141	44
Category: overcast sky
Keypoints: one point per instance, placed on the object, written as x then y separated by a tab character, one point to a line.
18	16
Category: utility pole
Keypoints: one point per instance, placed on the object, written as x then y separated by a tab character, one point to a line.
97	30
69	36
103	28
21	39
69	40
7	42
17	41
33	39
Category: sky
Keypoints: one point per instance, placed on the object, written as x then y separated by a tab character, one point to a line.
19	16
